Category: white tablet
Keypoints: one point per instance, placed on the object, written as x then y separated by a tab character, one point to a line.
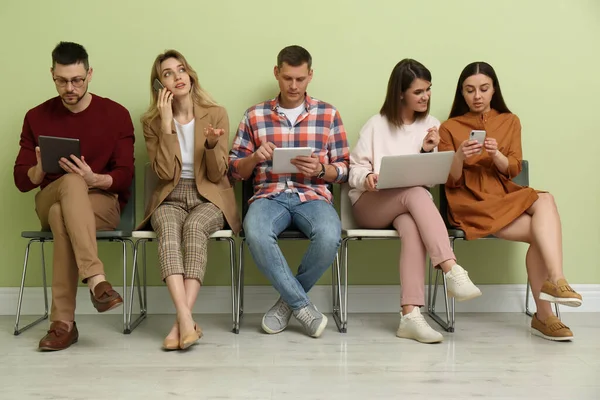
283	155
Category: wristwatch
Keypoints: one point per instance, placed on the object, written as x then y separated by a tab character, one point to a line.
322	173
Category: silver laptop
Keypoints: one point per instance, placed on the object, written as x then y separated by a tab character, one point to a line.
423	169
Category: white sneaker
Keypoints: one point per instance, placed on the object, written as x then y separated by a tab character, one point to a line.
459	285
414	326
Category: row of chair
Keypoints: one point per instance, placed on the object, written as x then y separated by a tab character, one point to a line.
126	235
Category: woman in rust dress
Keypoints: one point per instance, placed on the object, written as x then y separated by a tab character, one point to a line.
484	201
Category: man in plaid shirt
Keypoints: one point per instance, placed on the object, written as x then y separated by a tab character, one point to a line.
302	199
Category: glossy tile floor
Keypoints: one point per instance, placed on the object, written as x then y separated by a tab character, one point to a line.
489	356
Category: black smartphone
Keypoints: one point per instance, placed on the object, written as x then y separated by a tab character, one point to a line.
157	85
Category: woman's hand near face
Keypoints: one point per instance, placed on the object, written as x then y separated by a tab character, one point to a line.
164	103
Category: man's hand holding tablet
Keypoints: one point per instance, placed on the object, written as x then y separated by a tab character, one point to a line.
295	160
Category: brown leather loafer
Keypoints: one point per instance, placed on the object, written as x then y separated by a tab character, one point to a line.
551	328
59	337
105	297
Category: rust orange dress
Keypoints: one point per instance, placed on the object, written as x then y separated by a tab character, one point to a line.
484	200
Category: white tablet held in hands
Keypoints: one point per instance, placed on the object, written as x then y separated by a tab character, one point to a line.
283	155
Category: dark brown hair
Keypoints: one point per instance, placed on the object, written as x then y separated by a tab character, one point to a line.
460	106
69	53
294	56
403	75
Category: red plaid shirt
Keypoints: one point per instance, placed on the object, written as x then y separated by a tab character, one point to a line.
319	126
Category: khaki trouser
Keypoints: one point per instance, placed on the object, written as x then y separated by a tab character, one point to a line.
185	220
74	213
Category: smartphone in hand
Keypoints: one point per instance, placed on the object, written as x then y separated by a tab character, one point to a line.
479	136
157	85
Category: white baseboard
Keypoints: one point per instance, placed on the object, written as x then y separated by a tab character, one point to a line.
258	299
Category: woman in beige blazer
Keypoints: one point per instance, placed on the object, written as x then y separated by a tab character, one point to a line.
186	135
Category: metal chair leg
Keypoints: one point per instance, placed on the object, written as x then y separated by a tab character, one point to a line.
135	279
133	274
430	308
528	310
241	283
18	331
232	265
435	289
124	296
344	285
141	299
145	278
336	289
44	281
527	291
446	297
448	325
240	289
450	306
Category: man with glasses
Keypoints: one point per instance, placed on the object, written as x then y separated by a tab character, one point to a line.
88	196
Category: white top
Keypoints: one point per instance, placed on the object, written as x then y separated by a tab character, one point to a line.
292	114
379	138
185	134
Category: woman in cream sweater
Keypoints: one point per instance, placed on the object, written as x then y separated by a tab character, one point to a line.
404	126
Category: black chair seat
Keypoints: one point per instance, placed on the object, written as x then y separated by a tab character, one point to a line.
460	234
113	234
292	234
36	235
99	235
456	233
287	234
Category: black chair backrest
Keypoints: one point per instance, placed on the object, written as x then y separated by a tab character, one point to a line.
521	179
247	193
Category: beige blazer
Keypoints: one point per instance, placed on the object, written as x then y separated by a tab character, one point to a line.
210	165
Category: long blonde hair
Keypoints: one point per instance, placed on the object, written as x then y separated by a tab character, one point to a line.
199	95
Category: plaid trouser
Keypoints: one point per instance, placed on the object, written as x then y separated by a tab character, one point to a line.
184	221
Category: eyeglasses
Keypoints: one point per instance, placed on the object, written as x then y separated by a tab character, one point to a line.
76	82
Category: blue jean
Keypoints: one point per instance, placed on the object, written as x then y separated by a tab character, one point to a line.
317	219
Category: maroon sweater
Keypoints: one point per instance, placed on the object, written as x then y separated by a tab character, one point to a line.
105	134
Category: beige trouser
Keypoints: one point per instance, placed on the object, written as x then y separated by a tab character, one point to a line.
74	213
185	221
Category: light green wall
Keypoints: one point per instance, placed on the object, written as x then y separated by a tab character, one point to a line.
545	52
